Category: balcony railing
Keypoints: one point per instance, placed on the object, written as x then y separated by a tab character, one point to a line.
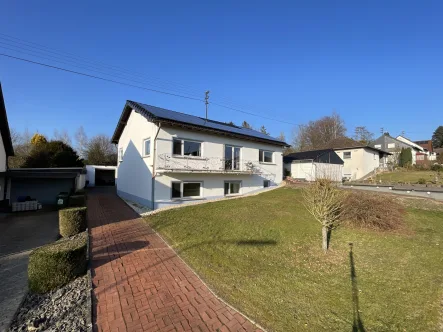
190	164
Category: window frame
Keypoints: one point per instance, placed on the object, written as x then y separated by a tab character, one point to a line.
182	147
233	147
350	154
392	147
144	149
261	155
229	188
182	183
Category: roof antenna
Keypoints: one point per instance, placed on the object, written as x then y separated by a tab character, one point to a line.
207	103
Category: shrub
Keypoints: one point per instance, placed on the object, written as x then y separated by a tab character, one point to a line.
437	168
72	221
421	181
368	210
77	200
56	264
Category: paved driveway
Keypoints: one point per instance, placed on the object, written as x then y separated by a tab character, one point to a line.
19	234
140	284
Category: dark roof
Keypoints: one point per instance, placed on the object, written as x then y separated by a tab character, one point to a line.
161	115
322	156
4	127
344	143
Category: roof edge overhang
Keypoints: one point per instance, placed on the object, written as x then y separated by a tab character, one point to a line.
130	105
4	127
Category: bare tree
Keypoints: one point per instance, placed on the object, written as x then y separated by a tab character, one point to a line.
363	135
324	201
263	130
282	137
100	151
316	134
62	136
22	148
246	125
81	142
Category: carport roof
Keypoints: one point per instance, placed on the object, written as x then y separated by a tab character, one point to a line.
48	173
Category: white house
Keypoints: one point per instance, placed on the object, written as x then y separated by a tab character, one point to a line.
359	159
314	164
6	150
167	158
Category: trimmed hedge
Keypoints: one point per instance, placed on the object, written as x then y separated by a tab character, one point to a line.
77	200
72	221
58	263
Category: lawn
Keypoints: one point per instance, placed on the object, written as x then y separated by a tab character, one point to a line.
405	176
263	255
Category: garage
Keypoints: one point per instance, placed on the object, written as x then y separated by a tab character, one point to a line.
97	175
104	177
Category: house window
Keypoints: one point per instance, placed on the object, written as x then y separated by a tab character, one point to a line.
391	145
377	146
186	148
347	155
265	156
146	147
232	187
266	183
186	189
120	154
232	158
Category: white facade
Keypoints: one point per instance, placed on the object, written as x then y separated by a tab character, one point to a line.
154	174
358	162
311	171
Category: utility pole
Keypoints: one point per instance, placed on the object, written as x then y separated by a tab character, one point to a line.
207	103
403	133
382	130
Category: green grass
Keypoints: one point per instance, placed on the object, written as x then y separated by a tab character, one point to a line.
263	255
405	176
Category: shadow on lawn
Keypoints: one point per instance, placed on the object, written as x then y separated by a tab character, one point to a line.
357	325
254	243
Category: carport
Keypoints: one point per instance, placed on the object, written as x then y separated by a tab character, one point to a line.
44	184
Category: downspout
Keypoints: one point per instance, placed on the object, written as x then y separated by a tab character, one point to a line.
153	167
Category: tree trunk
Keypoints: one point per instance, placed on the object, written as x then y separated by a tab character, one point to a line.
324	232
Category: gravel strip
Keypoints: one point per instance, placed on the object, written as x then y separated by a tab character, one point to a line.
64	309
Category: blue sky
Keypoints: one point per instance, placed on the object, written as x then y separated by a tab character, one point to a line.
378	64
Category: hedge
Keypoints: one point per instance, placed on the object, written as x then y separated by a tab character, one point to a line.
77	200
58	263
72	221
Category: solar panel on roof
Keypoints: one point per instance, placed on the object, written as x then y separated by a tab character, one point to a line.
165	114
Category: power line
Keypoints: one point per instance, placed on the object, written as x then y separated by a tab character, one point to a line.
96	77
137	86
184	89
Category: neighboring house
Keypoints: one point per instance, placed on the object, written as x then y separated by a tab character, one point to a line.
167	158
359	159
6	150
393	145
312	165
427	145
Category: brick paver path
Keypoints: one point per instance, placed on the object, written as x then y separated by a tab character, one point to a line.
139	283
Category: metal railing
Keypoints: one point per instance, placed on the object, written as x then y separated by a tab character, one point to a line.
170	162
